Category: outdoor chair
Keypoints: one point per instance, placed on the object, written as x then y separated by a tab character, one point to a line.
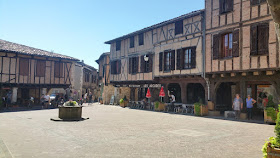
184	108
138	104
152	106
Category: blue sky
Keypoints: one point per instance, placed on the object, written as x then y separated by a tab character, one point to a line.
79	28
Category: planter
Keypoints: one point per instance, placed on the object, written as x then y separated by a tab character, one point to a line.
268	119
211	105
161	107
124	104
70	113
101	102
243	116
273	152
203	111
214	113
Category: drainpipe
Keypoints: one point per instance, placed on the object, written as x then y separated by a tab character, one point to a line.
204	53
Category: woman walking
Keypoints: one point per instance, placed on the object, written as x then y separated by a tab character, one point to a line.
237	105
249	104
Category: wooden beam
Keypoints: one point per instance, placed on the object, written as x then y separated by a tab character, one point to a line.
232	74
244	74
270	73
256	73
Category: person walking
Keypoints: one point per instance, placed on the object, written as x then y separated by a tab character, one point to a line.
237	106
90	97
249	104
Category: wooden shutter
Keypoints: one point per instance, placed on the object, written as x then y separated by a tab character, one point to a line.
254	2
137	64
142	66
58	69
229	5
263	35
24	67
151	58
40	68
254	40
235	43
178	61
193	57
130	66
160	61
216	46
173	60
119	66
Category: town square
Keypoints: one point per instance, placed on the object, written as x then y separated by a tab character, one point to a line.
127	79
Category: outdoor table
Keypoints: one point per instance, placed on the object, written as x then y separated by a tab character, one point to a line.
190	107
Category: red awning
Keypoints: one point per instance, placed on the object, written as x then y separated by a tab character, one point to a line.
148	95
161	93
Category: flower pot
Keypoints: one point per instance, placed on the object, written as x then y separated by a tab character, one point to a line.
125	103
268	119
243	116
70	113
273	152
210	105
203	110
161	106
122	105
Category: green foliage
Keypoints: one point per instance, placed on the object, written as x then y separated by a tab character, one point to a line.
197	108
273	143
270	102
124	98
272	113
71	103
277	128
156	104
121	101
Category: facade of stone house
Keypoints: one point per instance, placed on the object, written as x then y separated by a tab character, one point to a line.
30	72
242	52
168	54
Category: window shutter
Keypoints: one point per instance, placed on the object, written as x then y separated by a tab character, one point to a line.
173	60
151	57
229	5
130	65
24	65
235	43
254	40
193	57
263	34
142	66
178	61
112	70
216	46
221	6
119	66
137	64
160	61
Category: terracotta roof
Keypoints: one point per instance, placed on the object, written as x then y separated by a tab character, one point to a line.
22	49
191	14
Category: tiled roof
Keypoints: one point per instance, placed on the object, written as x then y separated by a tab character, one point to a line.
101	56
194	13
22	49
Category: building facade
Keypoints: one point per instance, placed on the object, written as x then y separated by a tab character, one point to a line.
168	54
30	72
242	52
106	88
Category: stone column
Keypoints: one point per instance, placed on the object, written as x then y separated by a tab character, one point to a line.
14	94
183	92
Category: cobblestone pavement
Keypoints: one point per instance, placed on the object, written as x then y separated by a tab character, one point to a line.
113	131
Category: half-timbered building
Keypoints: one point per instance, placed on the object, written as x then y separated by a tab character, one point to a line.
242	52
167	54
30	72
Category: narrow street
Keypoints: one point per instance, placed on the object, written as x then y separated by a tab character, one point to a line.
112	131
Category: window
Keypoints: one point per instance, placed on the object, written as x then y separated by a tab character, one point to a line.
118	45
58	69
186	58
116	67
24	67
92	79
131	40
179	27
40	68
169	60
133	65
141	39
86	77
257	2
226	6
226	45
259	39
147	66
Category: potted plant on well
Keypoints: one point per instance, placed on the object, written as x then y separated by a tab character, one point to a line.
122	103
200	109
271	148
270	111
70	111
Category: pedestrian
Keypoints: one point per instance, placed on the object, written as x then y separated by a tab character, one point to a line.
90	97
85	98
237	106
9	99
46	101
249	104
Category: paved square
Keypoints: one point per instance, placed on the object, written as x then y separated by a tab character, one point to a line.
113	131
